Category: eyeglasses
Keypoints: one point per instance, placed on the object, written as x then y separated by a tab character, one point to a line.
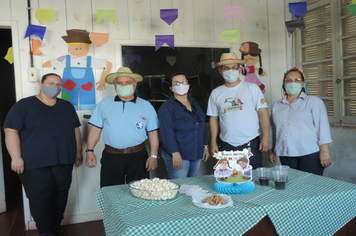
296	80
53	84
176	83
226	68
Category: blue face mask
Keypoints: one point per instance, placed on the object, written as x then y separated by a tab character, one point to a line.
293	88
125	91
231	76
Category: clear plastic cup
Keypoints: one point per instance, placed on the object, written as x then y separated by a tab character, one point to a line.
280	177
263	174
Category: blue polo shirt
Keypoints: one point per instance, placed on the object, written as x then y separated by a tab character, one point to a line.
125	124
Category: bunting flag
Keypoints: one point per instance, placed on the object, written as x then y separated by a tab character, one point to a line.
293	24
35	29
352	9
162	39
110	14
99	39
298	8
230	36
36	44
9	55
171	60
169	15
234	10
134	57
44	15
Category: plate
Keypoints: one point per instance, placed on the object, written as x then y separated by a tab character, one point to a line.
199	197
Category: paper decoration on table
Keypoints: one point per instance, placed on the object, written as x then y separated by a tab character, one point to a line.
135	57
191	189
9	55
199	197
171	60
298	8
352	9
293	25
230	36
110	14
99	39
35	29
169	15
162	39
234	10
251	52
36	44
44	15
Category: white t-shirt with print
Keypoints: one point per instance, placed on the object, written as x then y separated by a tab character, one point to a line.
237	108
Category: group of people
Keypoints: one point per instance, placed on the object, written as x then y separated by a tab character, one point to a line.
44	140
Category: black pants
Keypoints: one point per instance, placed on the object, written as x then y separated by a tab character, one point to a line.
122	168
255	160
308	163
47	191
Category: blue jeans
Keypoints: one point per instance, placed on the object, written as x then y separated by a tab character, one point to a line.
190	168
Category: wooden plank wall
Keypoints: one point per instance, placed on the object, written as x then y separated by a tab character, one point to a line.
200	21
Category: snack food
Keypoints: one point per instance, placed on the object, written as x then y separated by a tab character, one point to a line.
154	189
215	200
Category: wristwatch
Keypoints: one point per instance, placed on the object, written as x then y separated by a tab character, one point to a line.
89	150
154	156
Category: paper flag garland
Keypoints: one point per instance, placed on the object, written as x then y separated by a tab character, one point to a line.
99	39
162	39
9	56
110	14
230	36
352	9
171	60
36	44
293	24
298	8
169	15
44	15
35	29
134	57
234	10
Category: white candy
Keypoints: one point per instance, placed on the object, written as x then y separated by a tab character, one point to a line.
155	189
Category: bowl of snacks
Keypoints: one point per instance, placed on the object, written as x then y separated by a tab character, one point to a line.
154	189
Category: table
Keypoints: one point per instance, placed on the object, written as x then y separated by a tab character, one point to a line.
310	205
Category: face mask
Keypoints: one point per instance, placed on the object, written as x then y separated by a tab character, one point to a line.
231	76
293	88
181	89
125	91
51	91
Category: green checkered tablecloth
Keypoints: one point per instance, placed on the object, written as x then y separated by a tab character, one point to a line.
310	205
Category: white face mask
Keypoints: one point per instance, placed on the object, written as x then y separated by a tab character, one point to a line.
181	89
231	76
125	91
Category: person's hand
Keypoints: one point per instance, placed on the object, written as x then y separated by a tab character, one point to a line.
264	73
205	154
325	159
18	165
101	85
91	159
151	163
213	149
79	159
264	144
177	160
272	156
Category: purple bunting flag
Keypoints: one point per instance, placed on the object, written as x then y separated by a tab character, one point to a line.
298	8
35	29
169	15
293	24
162	39
134	57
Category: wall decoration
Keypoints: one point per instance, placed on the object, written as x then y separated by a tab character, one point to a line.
9	56
35	29
99	39
298	8
44	15
36	44
162	39
169	15
293	25
234	10
230	36
171	60
110	14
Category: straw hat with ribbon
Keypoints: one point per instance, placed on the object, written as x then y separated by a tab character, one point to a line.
229	58
123	72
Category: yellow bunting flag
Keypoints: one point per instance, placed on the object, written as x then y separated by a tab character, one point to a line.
9	56
44	15
110	14
230	36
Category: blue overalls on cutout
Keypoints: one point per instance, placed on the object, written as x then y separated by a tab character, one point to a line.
84	89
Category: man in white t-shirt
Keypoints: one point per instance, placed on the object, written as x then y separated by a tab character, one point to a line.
237	109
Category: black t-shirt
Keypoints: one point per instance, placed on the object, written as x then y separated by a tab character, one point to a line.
47	133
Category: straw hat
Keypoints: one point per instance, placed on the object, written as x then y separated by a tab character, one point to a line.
123	72
229	58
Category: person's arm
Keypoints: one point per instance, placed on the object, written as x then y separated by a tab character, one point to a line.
214	130
325	159
264	121
101	83
12	140
78	138
93	138
151	162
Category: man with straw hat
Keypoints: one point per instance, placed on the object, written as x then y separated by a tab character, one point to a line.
126	120
237	108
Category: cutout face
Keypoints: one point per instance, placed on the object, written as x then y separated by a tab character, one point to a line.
78	49
251	60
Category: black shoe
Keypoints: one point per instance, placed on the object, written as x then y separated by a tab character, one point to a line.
59	233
